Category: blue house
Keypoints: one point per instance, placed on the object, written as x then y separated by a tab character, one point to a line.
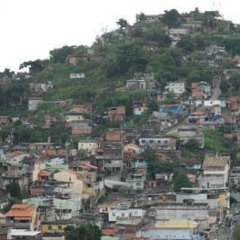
173	108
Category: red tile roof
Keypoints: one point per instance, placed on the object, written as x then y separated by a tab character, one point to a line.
109	231
43	173
113	136
21	211
199	113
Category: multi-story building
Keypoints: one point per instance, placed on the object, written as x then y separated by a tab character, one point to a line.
23	216
196	212
215	172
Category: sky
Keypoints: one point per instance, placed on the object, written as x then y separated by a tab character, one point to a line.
31	28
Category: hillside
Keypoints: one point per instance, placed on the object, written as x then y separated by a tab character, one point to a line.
169	46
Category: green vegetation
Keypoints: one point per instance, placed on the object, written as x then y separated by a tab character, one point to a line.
236	232
116	56
214	141
15	195
192	149
83	231
155	166
180	180
14	190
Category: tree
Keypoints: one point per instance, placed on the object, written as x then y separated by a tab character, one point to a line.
124	57
14	190
154	165
236	232
122	23
169	99
84	231
187	44
224	86
34	66
196	14
153	106
7	72
192	143
141	17
181	180
155	34
234	81
210	18
233	45
59	55
11	202
171	18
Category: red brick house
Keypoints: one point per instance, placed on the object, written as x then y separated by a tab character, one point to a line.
117	113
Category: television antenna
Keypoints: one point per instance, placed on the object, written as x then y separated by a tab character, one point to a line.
217	6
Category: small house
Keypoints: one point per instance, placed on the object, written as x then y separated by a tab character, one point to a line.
158	143
177	88
81	109
117	113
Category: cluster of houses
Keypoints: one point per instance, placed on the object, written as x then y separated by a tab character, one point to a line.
105	181
58	191
61	182
67	186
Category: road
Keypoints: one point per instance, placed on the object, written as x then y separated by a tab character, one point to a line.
221	233
216	92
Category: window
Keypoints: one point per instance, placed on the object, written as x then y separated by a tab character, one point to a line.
49	227
59	227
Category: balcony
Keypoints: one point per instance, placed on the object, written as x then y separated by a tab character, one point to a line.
19	225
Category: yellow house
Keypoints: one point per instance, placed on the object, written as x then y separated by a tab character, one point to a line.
88	145
176	224
75	178
56	226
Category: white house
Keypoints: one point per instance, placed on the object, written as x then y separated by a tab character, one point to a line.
125	213
217	199
210	103
88	145
138	110
215	172
195	212
33	104
197	198
158	143
77	75
71	117
177	88
177	33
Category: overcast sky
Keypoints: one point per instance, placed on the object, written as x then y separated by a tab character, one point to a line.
31	28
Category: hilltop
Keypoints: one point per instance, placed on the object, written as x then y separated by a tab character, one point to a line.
169	46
